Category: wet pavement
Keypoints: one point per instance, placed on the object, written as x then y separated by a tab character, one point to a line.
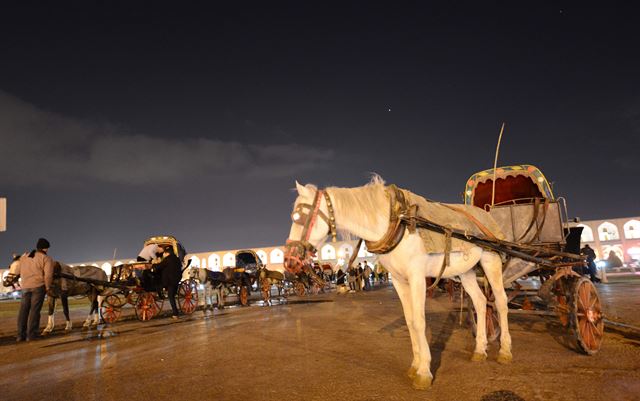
324	347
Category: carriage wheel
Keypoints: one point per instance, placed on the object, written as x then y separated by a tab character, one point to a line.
147	306
188	296
244	296
493	323
587	319
266	291
111	308
300	290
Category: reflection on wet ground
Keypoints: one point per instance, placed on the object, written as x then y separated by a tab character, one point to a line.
351	347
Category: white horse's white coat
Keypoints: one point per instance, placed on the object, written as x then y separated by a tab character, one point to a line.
364	212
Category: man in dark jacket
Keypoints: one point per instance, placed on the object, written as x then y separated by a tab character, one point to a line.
170	271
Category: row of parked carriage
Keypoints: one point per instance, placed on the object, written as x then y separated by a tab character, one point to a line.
136	284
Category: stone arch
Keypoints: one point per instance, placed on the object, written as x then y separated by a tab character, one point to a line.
328	252
106	266
363	252
632	229
228	259
263	256
345	251
277	256
195	261
587	233
214	262
608	232
616	249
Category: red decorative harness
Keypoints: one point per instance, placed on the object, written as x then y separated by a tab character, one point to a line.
297	253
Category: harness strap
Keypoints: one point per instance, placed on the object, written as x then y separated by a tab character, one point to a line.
475	221
447	252
534	219
398	212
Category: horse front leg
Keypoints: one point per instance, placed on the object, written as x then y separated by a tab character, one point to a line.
470	284
404	294
51	302
64	298
417	285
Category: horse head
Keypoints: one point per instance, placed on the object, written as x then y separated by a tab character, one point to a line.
312	220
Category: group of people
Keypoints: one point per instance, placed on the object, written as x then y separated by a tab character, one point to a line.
361	277
168	271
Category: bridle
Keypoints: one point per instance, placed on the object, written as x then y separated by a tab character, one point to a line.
297	252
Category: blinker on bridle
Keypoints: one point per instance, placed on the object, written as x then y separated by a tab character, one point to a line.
306	215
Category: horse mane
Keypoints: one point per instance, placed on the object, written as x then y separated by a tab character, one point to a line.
368	203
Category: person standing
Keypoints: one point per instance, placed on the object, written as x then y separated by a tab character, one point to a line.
591	262
170	270
367	276
36	275
360	279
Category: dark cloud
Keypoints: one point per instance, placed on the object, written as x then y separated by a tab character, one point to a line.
42	147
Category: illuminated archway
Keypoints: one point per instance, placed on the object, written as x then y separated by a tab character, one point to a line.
616	249
263	256
363	252
229	259
634	252
214	262
608	232
345	251
632	229
277	256
195	261
328	252
107	268
587	233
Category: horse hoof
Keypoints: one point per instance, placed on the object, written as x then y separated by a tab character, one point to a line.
421	382
412	373
478	357
505	358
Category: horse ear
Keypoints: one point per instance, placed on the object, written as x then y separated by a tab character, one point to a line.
302	190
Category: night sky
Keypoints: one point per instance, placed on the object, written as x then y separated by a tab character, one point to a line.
119	121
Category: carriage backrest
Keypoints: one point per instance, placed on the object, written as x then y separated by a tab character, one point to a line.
514	185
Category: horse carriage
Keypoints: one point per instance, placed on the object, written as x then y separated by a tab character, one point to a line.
535	222
525	232
238	279
138	285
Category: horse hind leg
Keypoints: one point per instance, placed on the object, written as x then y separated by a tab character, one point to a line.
97	300
492	266
470	284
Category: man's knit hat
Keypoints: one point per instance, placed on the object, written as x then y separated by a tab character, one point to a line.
43	244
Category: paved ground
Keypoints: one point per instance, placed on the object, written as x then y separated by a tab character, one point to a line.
327	347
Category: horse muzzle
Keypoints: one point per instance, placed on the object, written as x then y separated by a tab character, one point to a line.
297	254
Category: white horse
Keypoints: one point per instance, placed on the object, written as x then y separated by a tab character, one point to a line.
365	212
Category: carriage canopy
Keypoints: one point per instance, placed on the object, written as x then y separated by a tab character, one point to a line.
514	185
167	240
247	260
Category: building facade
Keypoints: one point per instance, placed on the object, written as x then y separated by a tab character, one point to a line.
620	236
